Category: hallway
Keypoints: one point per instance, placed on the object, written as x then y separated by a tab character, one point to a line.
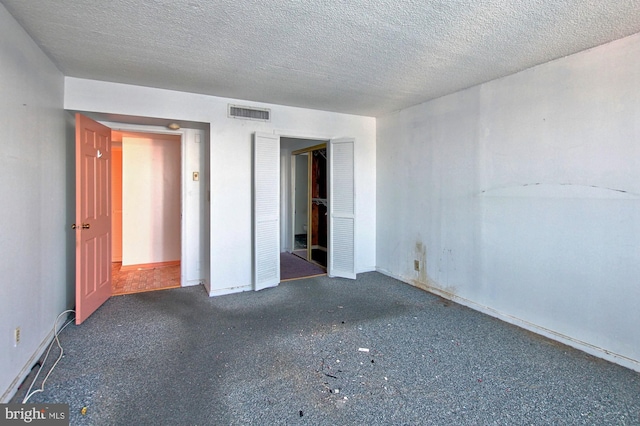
128	281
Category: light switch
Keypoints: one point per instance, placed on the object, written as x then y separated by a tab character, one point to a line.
196	176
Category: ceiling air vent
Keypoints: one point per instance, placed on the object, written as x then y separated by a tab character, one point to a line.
249	113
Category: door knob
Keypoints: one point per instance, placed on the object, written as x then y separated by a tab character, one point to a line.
74	226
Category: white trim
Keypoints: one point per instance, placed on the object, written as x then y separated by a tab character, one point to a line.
230	290
293	134
553	335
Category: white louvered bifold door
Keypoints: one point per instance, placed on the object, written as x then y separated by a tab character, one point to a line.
266	211
342	209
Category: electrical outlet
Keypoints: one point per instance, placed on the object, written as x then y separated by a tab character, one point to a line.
416	265
16	336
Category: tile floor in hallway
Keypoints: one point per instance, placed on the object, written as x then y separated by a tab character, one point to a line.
144	279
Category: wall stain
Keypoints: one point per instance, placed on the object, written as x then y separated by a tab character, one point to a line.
597	187
430	286
559	184
420	254
421	279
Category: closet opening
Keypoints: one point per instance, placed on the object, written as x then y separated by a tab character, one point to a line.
329	237
305	230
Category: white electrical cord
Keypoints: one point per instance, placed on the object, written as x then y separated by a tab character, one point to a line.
57	341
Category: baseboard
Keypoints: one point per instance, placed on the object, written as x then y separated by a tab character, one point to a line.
229	290
13	388
553	335
191	283
142	266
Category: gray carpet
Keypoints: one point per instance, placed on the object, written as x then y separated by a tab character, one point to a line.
290	355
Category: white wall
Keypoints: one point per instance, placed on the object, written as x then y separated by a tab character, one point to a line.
151	181
230	163
34	224
523	197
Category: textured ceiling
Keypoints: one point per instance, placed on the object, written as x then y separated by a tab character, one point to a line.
358	56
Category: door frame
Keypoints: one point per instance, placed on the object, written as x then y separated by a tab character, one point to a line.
137	128
292	178
291	211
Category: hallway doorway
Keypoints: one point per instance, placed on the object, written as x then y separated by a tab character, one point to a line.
146	212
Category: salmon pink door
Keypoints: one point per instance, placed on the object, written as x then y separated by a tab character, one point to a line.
93	216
